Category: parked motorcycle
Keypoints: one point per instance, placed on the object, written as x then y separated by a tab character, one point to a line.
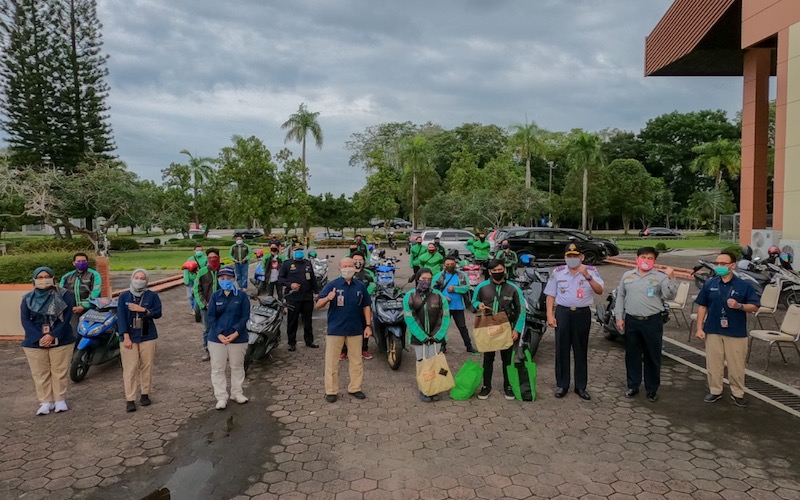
474	273
264	329
789	284
320	270
604	315
389	326
99	341
532	280
392	241
259	280
705	270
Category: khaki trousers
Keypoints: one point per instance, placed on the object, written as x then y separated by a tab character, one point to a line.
137	368
50	371
355	362
221	356
721	349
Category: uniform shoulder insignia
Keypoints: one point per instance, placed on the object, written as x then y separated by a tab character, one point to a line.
560	268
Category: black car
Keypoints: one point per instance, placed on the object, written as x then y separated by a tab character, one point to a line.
659	232
398	222
248	234
548	244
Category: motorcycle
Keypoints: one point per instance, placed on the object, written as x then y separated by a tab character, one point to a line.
789	284
320	271
604	315
264	328
259	280
532	281
705	270
99	341
392	241
389	325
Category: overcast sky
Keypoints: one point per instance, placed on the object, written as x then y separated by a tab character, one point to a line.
189	74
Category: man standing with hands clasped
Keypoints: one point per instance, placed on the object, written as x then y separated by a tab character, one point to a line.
724	303
638	310
570	292
349	320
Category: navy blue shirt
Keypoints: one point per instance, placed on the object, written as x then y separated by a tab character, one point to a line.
714	296
346	319
60	328
228	314
150	301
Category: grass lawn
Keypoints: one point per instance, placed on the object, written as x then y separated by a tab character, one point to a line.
690	242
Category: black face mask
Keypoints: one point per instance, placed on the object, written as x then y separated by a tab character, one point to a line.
481	238
498	277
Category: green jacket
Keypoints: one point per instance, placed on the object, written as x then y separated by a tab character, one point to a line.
240	254
202	261
368	278
85	286
415	252
510	260
433	261
479	249
428	318
205	284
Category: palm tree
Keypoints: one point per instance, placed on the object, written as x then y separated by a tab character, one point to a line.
584	151
300	124
200	168
415	156
527	141
717	157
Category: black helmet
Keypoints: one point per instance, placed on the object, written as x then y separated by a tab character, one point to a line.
747	252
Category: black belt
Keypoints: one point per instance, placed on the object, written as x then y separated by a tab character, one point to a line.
645	318
572	309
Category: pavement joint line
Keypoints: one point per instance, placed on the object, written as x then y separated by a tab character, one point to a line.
758	376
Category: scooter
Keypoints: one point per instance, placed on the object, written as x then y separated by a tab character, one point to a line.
389	325
705	270
320	271
789	284
99	341
392	241
259	280
264	328
532	281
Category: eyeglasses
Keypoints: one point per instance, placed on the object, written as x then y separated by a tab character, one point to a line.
722	263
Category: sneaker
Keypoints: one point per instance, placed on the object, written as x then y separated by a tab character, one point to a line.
240	398
366	355
484	394
424	398
712	398
130	406
145	400
44	408
206	355
471	350
509	394
343	356
61	406
221	404
740	402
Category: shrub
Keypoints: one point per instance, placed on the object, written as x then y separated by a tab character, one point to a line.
19	268
120	244
197	237
45	245
735	250
661	246
156	241
222	244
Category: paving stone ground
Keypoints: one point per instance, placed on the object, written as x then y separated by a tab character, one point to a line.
288	443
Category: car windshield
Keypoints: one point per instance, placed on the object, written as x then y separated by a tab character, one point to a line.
580	235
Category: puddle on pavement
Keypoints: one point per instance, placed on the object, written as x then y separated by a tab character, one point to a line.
186	483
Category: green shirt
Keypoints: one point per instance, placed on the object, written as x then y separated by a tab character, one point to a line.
433	261
479	249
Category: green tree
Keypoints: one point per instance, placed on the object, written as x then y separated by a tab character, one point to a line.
380	145
630	191
379	197
718	157
415	157
446	210
291	201
527	141
200	169
298	126
584	152
463	175
247	168
704	205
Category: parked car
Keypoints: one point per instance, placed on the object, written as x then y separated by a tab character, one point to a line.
547	244
451	239
659	232
248	234
376	223
399	222
332	235
412	238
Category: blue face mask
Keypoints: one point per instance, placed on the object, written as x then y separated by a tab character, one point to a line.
299	254
227	285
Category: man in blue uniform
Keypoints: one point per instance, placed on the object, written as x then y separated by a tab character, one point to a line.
570	292
297	275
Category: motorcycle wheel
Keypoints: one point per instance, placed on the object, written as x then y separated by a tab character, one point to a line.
535	337
79	366
394	350
197	316
790	298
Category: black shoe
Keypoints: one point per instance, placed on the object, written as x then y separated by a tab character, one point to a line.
631	393
484	394
712	398
330	398
313	345
444	348
509	394
358	395
145	400
471	350
292	348
560	392
583	394
652	397
130	406
740	402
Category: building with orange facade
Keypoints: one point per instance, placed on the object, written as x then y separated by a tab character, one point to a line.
755	39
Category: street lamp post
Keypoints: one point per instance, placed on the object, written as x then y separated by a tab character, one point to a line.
551	165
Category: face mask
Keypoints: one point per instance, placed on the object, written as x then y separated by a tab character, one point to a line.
239	242
43	283
273	250
721	270
226	285
498	277
431	251
198	253
573	262
213	263
359	265
299	254
348	272
504	247
139	284
82	265
423	286
450	269
644	264
481	238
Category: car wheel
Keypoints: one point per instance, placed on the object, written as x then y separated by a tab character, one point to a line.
590	257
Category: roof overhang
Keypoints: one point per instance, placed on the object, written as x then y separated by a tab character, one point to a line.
697	38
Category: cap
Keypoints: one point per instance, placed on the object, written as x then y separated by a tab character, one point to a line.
226	271
572	249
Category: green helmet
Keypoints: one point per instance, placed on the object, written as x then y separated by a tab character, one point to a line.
312	254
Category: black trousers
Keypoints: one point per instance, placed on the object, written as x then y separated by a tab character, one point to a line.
488	366
572	334
643	339
300	309
275	287
461	324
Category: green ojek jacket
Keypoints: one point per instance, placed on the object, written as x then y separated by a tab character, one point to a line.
429	321
479	249
433	261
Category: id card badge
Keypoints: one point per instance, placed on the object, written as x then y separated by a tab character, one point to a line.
46	329
308	276
137	322
580	293
340	300
723	322
651	292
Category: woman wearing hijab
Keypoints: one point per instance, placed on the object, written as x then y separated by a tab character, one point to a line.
137	309
427	317
228	312
46	313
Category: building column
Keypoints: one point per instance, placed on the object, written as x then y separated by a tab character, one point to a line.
755	147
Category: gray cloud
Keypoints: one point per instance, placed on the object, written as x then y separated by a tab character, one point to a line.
188	74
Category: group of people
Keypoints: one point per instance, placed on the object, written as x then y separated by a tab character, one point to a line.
49	317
